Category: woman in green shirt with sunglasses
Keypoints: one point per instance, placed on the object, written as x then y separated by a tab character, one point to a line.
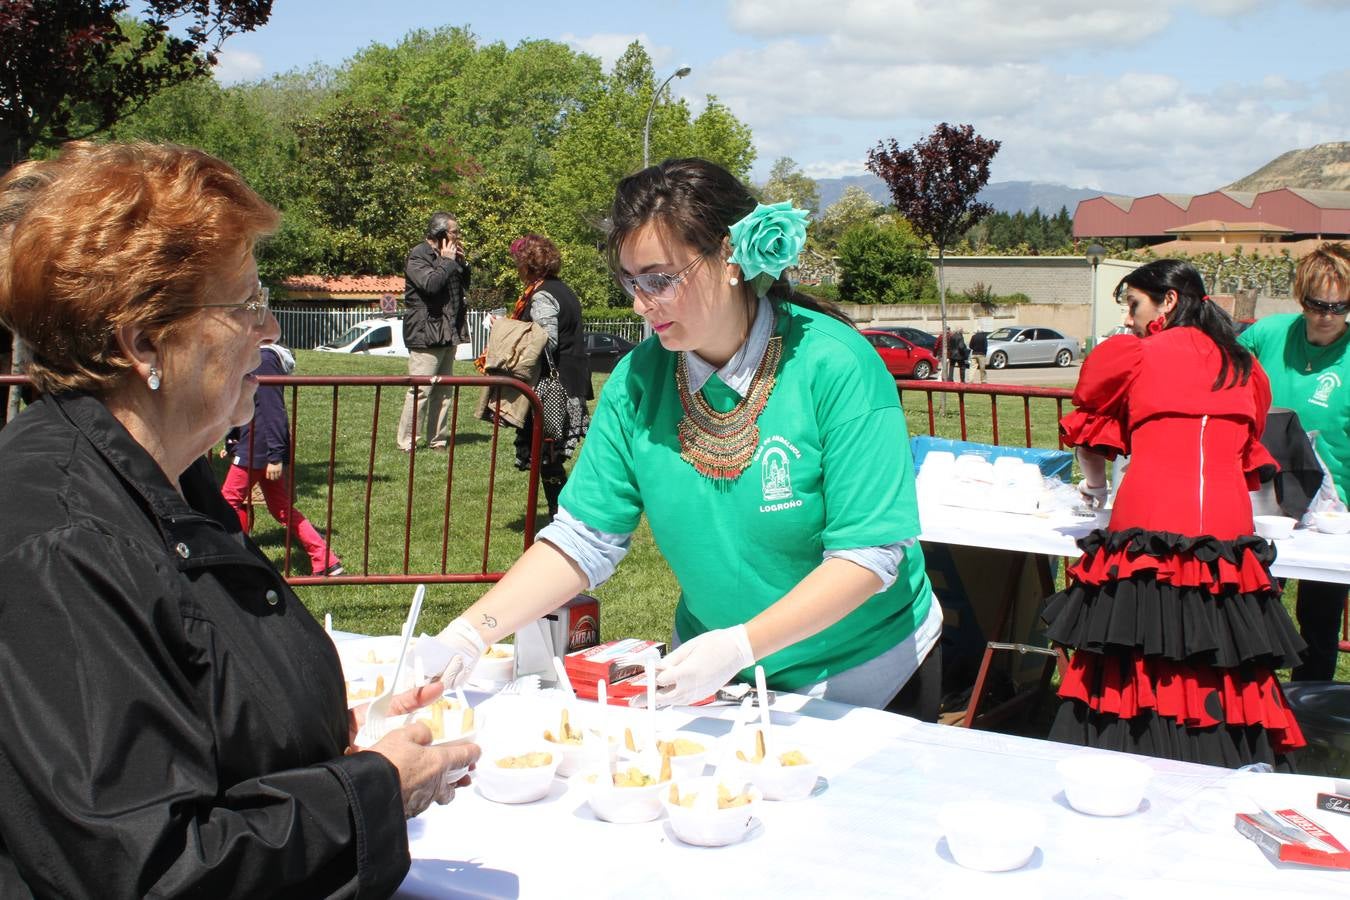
1307	357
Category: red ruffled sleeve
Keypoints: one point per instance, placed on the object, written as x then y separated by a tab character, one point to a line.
1257	463
1100	420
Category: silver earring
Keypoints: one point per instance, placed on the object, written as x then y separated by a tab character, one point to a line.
153	381
735	281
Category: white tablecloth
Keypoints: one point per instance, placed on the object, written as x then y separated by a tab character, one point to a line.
1308	554
874	830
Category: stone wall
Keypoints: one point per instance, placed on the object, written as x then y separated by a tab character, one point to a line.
1045	279
1072	319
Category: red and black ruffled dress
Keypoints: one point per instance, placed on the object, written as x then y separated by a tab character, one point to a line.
1175	624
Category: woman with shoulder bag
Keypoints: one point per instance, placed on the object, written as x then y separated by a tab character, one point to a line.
565	378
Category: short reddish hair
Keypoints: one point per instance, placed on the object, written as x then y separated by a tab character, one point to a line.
107	235
536	257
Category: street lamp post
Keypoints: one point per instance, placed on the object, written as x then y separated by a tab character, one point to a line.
1095	254
647	126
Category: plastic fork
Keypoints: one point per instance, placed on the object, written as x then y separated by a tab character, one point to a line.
377	714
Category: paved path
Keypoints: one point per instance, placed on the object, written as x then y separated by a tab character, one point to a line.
1039	376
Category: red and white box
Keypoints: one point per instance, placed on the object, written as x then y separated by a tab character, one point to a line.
612	661
1289	836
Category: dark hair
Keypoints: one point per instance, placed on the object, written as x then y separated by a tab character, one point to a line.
536	257
1194	309
438	226
698	202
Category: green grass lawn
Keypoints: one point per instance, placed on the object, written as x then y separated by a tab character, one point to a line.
639	601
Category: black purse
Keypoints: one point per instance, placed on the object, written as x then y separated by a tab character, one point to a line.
553	398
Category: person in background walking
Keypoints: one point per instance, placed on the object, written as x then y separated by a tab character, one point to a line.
960	354
436	323
1307	356
258	452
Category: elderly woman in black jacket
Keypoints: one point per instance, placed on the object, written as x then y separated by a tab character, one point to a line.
173	721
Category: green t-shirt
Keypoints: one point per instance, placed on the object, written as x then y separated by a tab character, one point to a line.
1312	381
832	471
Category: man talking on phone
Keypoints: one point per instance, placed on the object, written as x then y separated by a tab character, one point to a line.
434	325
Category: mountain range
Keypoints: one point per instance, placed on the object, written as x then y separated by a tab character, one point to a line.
1324	167
1004	196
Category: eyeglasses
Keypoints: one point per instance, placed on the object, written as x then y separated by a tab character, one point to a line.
657	285
1326	308
257	303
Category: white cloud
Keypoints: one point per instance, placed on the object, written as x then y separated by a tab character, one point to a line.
233	66
954	31
609	47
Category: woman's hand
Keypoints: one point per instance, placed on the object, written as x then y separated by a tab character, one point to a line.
700	667
466	647
274	471
426	773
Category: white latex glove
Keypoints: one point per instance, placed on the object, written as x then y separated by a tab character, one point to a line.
466	647
1094	497
703	665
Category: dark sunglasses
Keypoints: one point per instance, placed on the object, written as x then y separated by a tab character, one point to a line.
1322	306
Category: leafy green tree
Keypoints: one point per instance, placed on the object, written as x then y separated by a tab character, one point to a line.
883	263
788	182
368	183
71	68
854	207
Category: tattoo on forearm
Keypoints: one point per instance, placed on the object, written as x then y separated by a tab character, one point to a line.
489	621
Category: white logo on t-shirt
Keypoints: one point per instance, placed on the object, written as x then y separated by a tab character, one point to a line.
1326	383
775	474
775	457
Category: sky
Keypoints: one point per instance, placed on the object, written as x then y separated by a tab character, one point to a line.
1125	96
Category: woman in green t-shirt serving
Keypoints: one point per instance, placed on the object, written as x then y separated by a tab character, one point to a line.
1307	357
763	439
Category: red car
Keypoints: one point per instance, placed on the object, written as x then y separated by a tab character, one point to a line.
902	358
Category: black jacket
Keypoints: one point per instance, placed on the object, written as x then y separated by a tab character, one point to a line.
433	294
573	367
172	719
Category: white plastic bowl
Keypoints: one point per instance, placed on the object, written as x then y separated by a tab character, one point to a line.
1274	528
774	780
990	837
578	757
453	731
625	805
1102	784
503	785
688	765
703	824
1331	522
495	670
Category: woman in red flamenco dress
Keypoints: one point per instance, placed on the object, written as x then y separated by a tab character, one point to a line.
1175	624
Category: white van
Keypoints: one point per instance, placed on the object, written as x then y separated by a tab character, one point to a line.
384	337
371	337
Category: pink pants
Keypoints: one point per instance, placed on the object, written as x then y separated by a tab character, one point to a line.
239	484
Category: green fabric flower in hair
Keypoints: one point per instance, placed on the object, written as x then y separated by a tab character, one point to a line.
768	241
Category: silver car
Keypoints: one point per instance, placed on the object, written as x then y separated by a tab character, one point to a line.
1030	345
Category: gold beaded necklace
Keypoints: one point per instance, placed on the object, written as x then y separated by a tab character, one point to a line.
720	445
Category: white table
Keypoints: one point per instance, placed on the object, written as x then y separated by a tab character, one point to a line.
1307	554
874	831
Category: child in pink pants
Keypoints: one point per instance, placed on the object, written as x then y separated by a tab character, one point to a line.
258	452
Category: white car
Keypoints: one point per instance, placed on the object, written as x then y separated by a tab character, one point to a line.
371	337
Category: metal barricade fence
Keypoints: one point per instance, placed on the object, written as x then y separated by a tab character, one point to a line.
1041	430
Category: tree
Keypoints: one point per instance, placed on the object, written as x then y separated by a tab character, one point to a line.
788	182
71	68
854	207
934	185
883	263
